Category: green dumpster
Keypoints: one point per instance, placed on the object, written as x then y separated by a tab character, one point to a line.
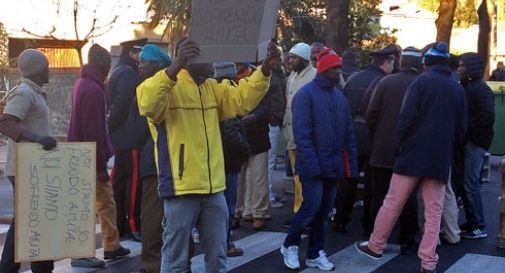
498	145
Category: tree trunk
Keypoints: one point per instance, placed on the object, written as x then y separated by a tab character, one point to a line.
337	24
445	20
483	44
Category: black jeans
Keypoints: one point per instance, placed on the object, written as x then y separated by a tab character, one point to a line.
346	197
7	264
379	186
127	191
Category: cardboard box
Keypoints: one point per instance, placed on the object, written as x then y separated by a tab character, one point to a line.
233	30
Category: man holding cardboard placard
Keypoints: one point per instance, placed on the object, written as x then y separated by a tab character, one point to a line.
183	108
26	118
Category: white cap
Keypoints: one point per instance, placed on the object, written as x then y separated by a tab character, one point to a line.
301	50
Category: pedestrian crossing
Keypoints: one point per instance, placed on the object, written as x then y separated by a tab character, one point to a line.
259	245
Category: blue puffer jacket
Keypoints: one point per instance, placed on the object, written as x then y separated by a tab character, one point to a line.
324	136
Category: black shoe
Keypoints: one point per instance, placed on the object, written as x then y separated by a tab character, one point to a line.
466	227
340	228
116	254
286	224
427	271
135	236
408	249
362	247
476	233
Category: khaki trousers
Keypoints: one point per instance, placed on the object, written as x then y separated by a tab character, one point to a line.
106	210
252	192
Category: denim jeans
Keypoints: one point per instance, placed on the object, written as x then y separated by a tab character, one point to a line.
209	213
273	134
7	264
318	198
472	200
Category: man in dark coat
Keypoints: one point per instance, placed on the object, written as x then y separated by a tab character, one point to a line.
121	86
325	153
355	90
152	60
432	125
252	197
350	63
480	135
499	73
87	123
382	119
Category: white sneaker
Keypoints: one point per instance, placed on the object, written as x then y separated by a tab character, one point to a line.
320	262
290	255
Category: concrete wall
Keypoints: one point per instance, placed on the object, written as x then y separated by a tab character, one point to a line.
59	89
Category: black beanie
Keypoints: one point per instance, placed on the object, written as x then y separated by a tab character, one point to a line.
411	58
474	65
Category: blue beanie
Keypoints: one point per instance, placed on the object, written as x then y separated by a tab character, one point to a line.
437	54
154	53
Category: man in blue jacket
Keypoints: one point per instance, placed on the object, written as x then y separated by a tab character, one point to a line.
326	152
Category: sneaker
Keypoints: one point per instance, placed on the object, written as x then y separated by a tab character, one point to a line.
195	235
363	249
290	255
276	204
476	233
116	254
320	262
466	227
87	262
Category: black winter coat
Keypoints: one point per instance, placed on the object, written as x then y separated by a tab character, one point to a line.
480	112
256	131
277	99
121	88
432	125
357	85
383	113
235	146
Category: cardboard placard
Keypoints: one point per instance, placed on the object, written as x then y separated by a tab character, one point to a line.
55	201
232	30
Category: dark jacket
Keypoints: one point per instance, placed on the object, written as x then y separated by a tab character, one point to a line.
356	87
235	146
383	113
356	90
432	125
323	131
498	75
87	120
349	69
480	100
140	138
256	131
277	98
121	86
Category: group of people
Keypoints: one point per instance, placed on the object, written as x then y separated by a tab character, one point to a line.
195	146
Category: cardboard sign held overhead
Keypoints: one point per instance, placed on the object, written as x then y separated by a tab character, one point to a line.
55	201
232	30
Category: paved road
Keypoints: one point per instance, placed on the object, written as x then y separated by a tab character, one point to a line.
262	248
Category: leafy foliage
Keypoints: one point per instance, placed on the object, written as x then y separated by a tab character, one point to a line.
4	47
466	11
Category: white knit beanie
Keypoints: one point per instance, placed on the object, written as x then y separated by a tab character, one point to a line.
301	50
32	62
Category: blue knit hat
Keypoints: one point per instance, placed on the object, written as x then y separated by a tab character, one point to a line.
437	54
154	53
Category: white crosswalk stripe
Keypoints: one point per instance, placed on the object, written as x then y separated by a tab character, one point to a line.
263	243
254	246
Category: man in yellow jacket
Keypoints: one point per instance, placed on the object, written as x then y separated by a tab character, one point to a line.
184	107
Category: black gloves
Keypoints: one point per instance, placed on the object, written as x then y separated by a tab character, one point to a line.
48	143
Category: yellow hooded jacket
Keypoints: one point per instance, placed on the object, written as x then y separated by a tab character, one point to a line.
184	123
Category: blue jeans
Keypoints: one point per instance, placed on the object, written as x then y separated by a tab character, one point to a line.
472	201
7	264
231	197
209	213
318	198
